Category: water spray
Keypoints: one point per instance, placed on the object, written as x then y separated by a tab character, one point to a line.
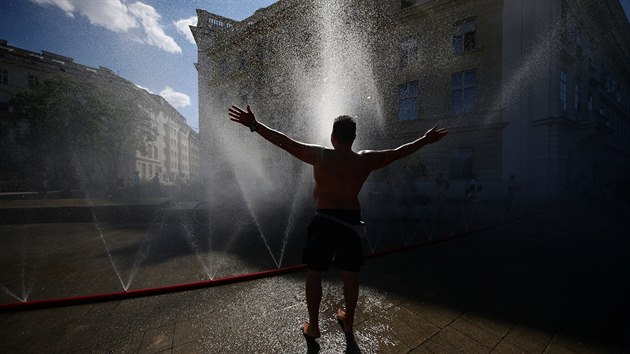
123	295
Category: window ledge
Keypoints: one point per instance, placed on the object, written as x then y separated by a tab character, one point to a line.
470	51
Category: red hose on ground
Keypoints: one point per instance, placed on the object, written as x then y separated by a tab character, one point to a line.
122	295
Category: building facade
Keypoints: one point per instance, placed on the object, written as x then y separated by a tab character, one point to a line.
536	89
170	154
174	153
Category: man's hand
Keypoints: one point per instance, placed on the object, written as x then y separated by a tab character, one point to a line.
240	116
432	135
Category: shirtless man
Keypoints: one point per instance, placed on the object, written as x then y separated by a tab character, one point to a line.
339	175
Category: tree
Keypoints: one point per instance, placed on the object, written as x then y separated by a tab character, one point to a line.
79	128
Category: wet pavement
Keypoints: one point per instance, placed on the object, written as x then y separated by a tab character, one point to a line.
551	282
44	256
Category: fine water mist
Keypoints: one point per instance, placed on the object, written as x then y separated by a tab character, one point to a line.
249	175
299	65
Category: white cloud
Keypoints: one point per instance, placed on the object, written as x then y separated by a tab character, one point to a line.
65	5
119	17
111	14
183	27
176	99
150	20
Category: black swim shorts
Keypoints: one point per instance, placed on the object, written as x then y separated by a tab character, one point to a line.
329	241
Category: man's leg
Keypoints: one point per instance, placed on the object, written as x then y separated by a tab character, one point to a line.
313	299
351	296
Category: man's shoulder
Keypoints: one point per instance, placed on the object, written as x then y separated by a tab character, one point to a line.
371	152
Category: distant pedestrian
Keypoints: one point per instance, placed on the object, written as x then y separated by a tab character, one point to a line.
472	189
119	185
155	181
441	185
437	215
135	185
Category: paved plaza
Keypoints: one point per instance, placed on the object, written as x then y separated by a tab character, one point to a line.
549	282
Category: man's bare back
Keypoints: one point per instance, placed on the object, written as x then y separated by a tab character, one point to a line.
338	179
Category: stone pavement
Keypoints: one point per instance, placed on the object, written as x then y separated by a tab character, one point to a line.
546	283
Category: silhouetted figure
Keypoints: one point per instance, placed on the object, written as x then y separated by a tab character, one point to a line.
332	236
119	187
472	189
116	188
441	185
438	215
135	185
155	181
180	186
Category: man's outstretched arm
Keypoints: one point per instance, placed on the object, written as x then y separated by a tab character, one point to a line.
308	153
380	158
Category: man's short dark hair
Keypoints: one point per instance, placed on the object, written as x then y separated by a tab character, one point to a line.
344	129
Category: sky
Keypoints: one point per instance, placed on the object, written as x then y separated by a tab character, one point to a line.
626	7
145	41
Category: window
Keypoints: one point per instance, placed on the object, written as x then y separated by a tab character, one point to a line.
590	102
4	77
464	35
218	24
463	91
242	59
576	96
150	170
408	101
563	90
462	163
32	81
408	52
155	152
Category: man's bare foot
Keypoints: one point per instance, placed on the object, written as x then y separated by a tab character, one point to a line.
345	322
310	332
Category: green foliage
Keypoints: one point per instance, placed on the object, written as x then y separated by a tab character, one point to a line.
79	125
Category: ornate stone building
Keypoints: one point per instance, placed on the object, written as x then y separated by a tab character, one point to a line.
537	89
